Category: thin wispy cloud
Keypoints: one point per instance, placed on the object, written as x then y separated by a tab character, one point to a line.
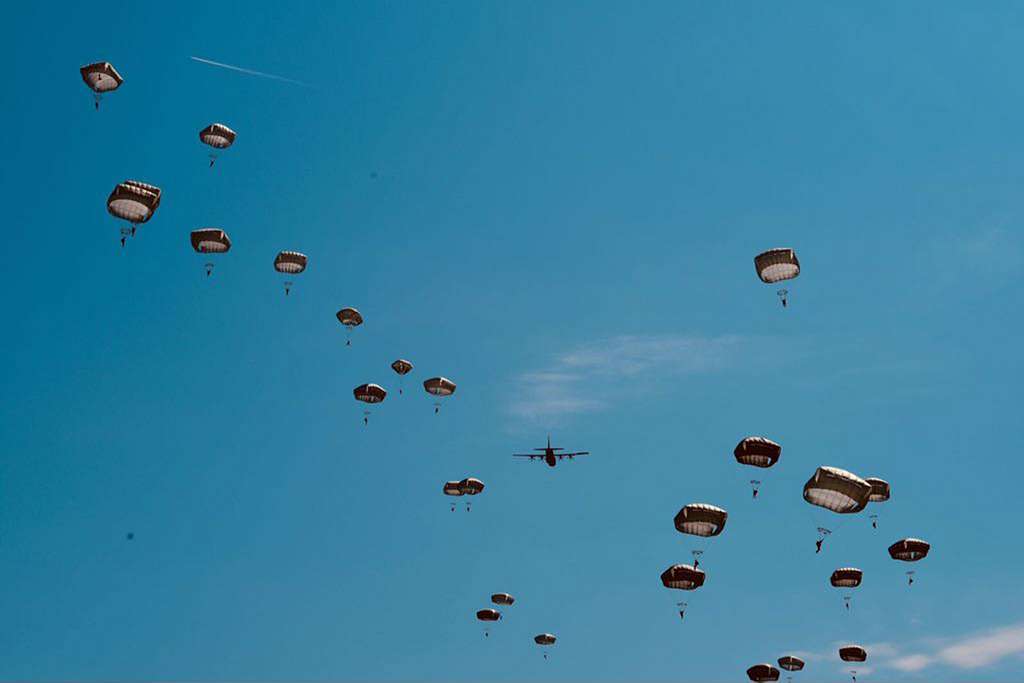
577	381
250	72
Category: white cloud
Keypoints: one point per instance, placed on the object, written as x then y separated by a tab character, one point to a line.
576	381
911	663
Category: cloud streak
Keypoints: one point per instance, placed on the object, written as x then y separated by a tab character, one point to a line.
250	72
578	381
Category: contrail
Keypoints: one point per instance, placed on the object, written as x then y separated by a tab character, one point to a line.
251	72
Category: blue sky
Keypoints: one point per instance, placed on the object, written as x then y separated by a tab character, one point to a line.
557	207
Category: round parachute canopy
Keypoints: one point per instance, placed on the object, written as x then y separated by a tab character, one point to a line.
757	451
488	615
290	262
847	577
762	672
210	241
909	550
370	393
853	653
101	77
217	135
349	317
837	490
776	265
471	486
402	367
879	490
791	663
439	386
452	488
133	201
701	519
682	577
544	639
502	599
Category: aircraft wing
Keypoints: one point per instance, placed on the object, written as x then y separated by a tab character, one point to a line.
527	455
571	455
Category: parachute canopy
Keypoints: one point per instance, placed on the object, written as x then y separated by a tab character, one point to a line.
471	486
776	265
452	488
290	262
879	490
488	615
701	519
439	386
101	77
837	490
846	577
909	550
134	201
210	241
502	599
791	663
370	393
762	672
853	653
349	317
544	639
402	367
217	135
757	451
682	577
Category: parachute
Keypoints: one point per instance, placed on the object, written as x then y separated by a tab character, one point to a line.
453	488
403	368
290	263
369	394
703	520
762	672
470	486
853	653
488	616
682	577
879	490
777	265
101	77
837	490
545	640
909	550
791	663
218	136
846	577
134	202
757	451
502	599
351	319
210	241
440	387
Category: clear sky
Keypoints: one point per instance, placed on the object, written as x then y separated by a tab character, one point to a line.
557	206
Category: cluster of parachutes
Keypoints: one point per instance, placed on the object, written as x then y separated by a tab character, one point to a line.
370	394
490	616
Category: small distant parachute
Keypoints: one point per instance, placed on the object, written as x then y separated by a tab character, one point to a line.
837	490
791	663
101	77
502	599
488	616
440	387
760	673
470	486
682	577
135	202
369	394
853	653
701	519
351	319
879	490
210	241
453	488
846	577
218	136
545	640
909	550
290	263
403	368
777	265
